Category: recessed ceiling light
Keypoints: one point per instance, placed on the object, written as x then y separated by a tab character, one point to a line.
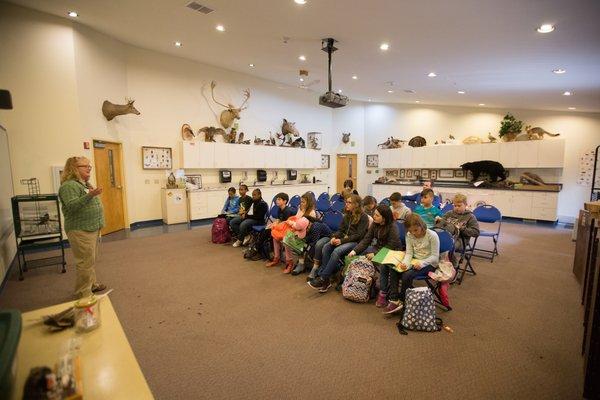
417	101
73	14
354	77
559	71
302	58
390	91
546	28
572	108
301	79
339	90
220	28
384	46
300	1
369	100
481	104
567	93
461	92
178	44
432	74
409	91
251	65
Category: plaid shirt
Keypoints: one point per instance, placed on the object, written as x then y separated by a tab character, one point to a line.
82	212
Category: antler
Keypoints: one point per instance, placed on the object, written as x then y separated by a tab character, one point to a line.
129	100
247	96
212	92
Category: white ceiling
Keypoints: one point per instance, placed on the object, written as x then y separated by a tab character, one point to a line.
489	48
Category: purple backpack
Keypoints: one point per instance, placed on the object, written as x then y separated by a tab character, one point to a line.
220	231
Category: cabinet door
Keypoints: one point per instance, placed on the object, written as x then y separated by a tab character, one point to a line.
508	155
383	159
544	214
197	205
473	152
190	157
457	155
214	202
490	151
405	157
521	204
527	154
418	157
502	201
222	155
206	154
551	153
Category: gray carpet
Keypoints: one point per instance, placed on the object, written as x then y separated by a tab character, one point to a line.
206	324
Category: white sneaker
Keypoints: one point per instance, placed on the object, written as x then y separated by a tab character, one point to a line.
247	239
237	243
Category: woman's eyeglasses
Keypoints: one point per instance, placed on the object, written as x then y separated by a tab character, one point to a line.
85	166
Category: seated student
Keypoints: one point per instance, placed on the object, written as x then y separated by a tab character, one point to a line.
422	253
283	210
369	203
382	233
426	210
315	231
460	222
329	252
348	189
399	209
428	184
232	205
254	216
307	207
245	202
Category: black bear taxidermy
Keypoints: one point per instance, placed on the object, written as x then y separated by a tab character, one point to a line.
493	169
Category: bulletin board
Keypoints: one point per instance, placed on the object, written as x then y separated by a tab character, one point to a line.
157	157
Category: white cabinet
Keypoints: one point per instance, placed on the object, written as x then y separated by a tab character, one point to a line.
197	155
198	205
551	153
508	155
521	205
222	159
527	154
473	152
490	151
405	157
450	156
544	206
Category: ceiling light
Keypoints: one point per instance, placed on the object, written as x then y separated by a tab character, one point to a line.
546	28
251	65
301	79
354	77
302	58
481	104
178	44
384	46
409	91
461	92
417	101
339	90
73	14
572	108
220	28
300	2
369	100
390	91
567	93
559	71
432	74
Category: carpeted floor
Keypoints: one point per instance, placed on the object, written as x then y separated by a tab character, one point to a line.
206	324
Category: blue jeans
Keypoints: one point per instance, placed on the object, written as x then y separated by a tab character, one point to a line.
331	258
319	248
241	227
408	276
388	281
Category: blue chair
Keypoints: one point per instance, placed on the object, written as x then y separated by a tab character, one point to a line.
323	205
488	214
294	202
410	204
402	233
313	195
447	208
385	202
337	206
333	220
322	196
271	216
335	197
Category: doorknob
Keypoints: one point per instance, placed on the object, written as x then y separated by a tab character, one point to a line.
119	187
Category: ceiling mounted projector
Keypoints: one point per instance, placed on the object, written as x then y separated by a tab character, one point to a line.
330	98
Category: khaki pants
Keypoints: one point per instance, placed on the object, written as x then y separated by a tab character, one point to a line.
85	249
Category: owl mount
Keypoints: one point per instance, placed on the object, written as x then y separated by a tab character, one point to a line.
330	98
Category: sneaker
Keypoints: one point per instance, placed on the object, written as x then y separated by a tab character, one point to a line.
98	287
325	287
272	263
381	300
299	269
393	307
247	240
313	273
316	283
289	266
237	243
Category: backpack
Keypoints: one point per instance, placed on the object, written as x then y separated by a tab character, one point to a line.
419	312
358	281
220	231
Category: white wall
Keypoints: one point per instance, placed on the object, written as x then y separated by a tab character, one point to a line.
581	132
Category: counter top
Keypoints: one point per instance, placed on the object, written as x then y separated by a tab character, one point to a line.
465	185
224	188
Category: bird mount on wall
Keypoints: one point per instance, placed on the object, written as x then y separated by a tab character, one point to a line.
231	113
187	133
110	110
345	137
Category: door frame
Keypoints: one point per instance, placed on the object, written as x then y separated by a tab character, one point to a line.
121	177
336	167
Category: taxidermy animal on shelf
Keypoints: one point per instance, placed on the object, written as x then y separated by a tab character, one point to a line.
493	169
210	132
111	110
417	141
187	133
259	141
530	178
491	138
472	140
345	137
538	133
392	143
231	113
290	135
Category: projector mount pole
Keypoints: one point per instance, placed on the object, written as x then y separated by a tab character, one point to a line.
329	48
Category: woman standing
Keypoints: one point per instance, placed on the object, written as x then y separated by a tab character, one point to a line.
83	220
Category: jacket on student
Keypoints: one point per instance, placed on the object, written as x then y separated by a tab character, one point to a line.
259	210
245	202
469	227
350	232
375	236
232	205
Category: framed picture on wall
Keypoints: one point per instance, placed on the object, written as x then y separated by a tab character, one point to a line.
324	161
433	174
446	173
372	160
402	173
157	157
459	173
409	173
417	172
425	173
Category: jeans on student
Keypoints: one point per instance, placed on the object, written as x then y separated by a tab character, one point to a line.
388	281
331	257
408	276
234	224
319	248
241	227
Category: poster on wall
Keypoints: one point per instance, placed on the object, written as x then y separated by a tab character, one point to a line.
324	161
586	168
156	157
372	160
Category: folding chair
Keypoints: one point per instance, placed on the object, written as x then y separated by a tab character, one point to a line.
335	197
323	196
488	214
402	233
337	206
385	201
446	245
323	206
465	255
333	220
269	217
410	204
447	208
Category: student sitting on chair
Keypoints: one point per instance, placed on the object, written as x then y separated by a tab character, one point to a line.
460	222
426	210
421	257
330	252
254	216
231	208
244	202
399	209
307	207
348	189
316	231
283	214
369	203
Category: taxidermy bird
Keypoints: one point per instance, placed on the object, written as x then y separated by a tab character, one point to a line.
491	138
451	137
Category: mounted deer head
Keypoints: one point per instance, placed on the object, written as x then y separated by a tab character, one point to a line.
345	137
111	110
289	128
231	113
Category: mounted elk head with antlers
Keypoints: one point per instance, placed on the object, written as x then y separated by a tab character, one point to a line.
231	113
111	110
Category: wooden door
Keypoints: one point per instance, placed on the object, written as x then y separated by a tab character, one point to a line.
346	169
109	176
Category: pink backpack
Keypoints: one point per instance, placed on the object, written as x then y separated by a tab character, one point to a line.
220	231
